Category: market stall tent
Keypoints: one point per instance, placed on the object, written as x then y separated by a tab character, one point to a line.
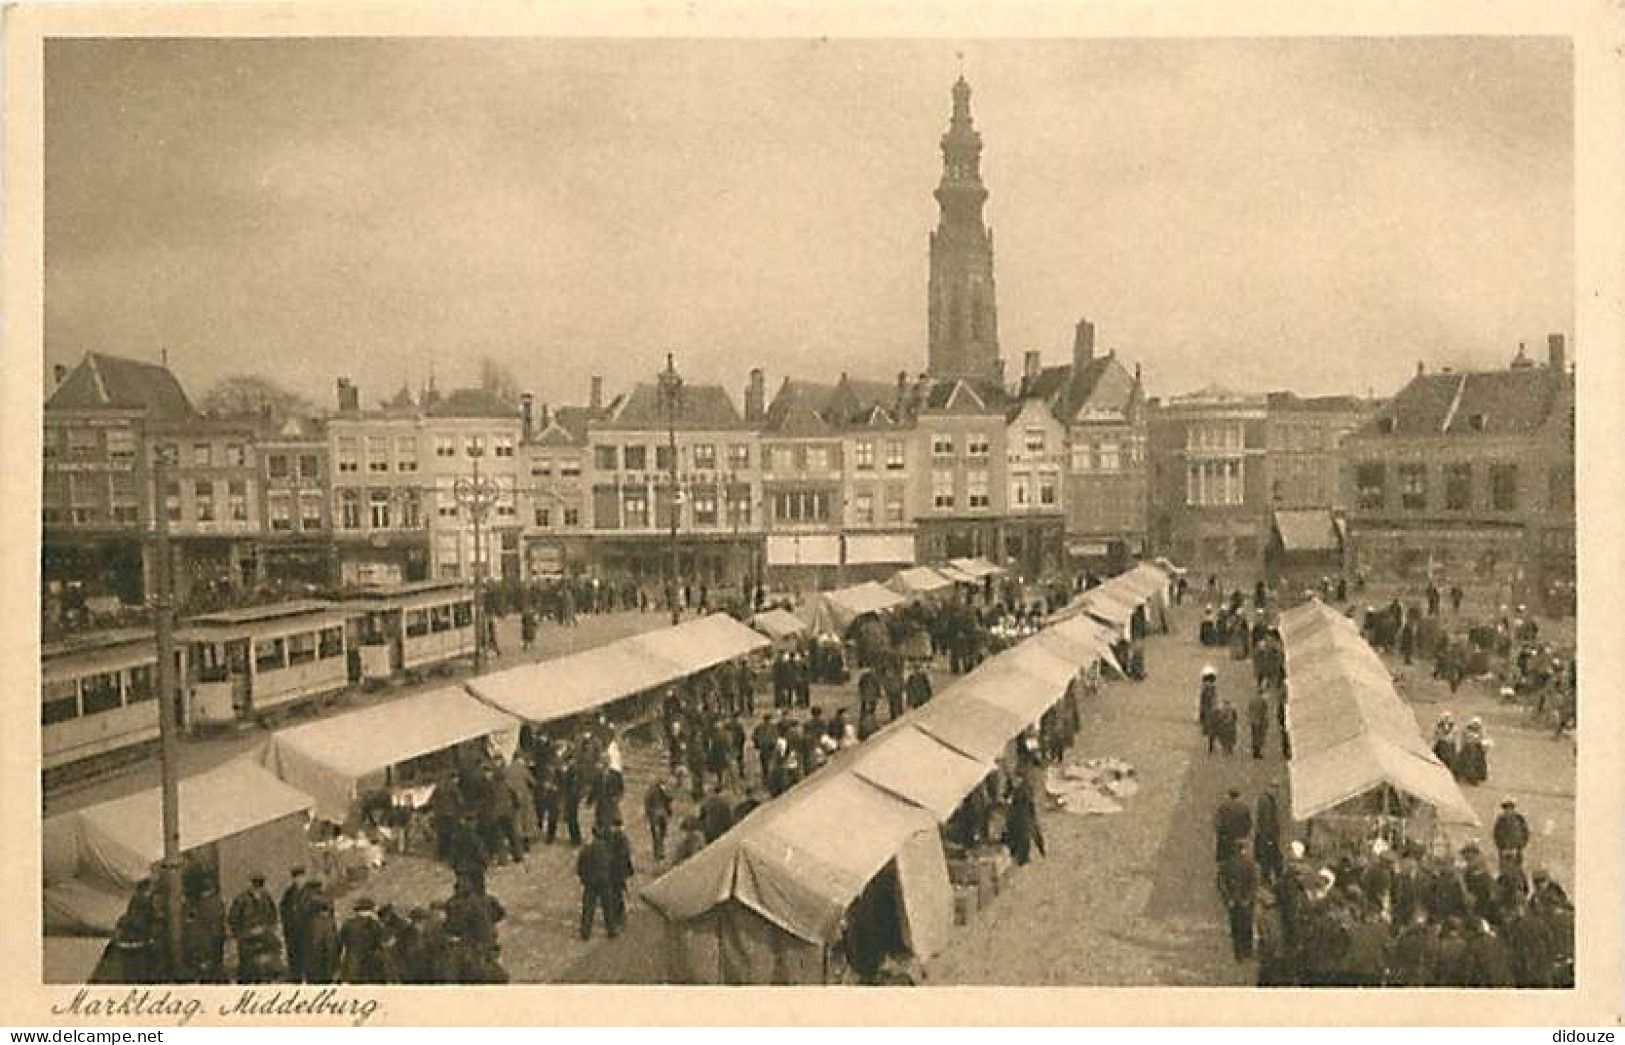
335	760
779	625
93	857
832	612
549	690
1326	780
919	580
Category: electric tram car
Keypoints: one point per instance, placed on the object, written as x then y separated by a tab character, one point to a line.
99	690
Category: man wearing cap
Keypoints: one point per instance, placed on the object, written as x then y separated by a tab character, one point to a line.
364	959
321	953
1511	835
253	921
294	909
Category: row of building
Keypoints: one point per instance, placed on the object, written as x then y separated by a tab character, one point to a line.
1070	467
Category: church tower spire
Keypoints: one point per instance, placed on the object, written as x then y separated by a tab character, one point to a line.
962	316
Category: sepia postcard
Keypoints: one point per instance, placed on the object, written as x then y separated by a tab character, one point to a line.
579	496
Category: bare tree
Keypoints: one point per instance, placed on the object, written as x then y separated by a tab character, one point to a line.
253	394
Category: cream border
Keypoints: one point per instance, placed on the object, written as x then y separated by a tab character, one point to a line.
1600	166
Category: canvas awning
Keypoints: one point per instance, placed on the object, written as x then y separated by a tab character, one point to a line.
1113	607
696	645
1322	782
834	611
778	624
919	580
333	760
869	549
809	549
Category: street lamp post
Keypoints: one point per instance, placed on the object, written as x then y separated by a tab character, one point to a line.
477	495
671	397
163	605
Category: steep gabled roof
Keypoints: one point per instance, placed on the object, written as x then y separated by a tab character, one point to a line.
1104	383
962	395
705	408
104	382
473	402
1487	402
800	408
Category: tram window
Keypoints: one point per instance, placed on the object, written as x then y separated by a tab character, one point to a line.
139	686
463	613
61	702
100	692
440	618
301	648
417	623
332	643
269	655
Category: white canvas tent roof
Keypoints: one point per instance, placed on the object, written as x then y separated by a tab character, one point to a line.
696	645
977	568
778	624
919	580
333	759
569	685
832	612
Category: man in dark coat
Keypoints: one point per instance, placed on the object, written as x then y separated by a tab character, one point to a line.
473	916
657	804
1225	726
322	946
603	874
203	936
1022	830
1207	701
1238	885
294	909
716	815
571	786
918	687
1267	836
365	958
1232	823
1258	722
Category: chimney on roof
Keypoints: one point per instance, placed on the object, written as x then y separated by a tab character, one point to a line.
349	396
902	390
595	396
1420	368
60	372
527	406
544	417
1521	361
1556	356
756	396
1032	363
1083	344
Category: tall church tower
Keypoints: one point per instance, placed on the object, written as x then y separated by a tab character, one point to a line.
964	327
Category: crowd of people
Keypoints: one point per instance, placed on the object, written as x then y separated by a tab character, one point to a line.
1390	914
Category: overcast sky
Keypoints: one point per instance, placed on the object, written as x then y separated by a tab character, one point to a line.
1314	215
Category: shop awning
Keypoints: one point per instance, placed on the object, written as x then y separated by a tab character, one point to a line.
778	624
919	580
334	759
811	549
694	646
870	549
1322	782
